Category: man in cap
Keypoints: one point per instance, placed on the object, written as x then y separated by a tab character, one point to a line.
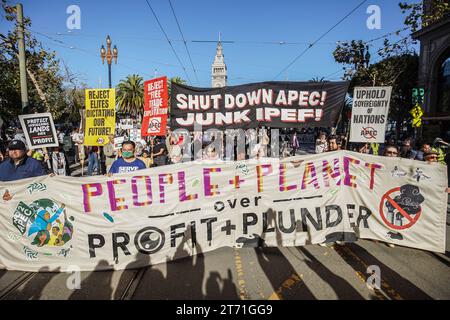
19	165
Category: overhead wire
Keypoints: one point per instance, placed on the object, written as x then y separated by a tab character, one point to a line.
318	39
184	41
168	40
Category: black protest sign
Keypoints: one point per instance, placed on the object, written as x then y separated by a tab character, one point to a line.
272	104
39	130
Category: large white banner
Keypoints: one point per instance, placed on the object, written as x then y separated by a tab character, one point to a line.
164	213
370	110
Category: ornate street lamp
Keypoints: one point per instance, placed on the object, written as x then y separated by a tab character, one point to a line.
109	55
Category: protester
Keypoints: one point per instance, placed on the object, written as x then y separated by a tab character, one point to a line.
431	155
128	162
57	162
211	153
77	138
19	165
390	151
441	147
159	154
93	160
333	143
19	135
145	157
102	160
175	154
321	143
109	152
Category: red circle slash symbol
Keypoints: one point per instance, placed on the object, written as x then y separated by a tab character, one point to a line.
396	211
369	133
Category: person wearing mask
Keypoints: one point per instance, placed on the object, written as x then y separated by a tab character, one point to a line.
128	162
19	165
57	162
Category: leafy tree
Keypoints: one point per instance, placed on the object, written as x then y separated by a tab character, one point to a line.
419	18
45	80
130	95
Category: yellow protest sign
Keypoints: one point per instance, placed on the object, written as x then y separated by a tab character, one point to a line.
100	116
416	112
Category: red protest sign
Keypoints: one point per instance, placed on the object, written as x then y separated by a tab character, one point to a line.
393	212
155	107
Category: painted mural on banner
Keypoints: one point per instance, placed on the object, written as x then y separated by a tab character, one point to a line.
272	104
370	114
165	213
100	116
39	130
156	102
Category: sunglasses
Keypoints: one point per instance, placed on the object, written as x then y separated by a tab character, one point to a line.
391	152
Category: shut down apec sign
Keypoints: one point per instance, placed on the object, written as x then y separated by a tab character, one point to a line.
272	104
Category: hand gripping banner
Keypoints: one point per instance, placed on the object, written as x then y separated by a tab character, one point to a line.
165	213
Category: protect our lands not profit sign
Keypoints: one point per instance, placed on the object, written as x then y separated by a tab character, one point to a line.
370	114
100	116
39	130
273	104
165	213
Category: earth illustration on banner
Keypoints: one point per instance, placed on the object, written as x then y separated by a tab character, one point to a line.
45	227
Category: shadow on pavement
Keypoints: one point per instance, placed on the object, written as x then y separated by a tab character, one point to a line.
392	282
34	288
343	289
277	270
97	286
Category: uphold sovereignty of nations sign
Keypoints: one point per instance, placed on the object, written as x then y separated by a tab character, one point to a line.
165	213
272	104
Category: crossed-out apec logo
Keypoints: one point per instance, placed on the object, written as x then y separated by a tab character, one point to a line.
369	133
154	125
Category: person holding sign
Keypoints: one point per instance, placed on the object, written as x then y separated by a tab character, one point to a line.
128	162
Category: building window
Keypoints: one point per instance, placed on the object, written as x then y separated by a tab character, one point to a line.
444	87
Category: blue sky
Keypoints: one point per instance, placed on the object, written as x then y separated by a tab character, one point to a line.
254	25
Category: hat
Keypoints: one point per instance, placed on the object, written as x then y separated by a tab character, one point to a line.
430	152
16	145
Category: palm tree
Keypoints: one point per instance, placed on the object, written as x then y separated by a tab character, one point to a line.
130	95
